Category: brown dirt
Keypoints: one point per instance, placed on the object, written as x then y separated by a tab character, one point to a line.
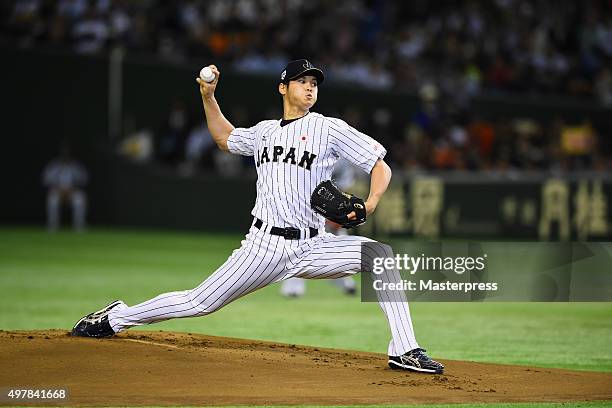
162	368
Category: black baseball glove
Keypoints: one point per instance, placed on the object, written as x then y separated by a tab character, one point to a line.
335	205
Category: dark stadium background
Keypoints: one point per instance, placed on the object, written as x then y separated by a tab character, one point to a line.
480	104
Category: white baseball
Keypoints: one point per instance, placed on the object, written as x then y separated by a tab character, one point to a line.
207	75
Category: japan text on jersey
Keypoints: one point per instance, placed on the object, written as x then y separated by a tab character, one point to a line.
292	160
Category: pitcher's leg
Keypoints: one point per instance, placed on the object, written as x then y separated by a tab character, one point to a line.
395	305
293	287
256	264
53	210
346	284
79	210
336	257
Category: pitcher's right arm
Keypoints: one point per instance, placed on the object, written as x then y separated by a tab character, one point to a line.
219	127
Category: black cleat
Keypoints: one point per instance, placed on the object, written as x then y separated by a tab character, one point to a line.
352	291
416	360
96	324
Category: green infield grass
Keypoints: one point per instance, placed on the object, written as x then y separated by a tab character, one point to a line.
51	280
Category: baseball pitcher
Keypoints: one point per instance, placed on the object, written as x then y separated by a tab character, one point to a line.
294	157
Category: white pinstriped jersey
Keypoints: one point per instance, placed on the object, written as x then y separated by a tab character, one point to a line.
293	159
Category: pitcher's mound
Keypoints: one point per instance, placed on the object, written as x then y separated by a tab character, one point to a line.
162	368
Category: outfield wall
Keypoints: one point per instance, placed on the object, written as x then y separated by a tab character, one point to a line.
429	206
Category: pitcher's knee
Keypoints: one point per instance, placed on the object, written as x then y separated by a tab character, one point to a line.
53	200
374	253
386	250
78	199
204	303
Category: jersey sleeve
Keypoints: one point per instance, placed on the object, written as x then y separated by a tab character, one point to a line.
356	147
242	141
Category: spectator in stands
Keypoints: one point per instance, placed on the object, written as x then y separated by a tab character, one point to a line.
506	45
172	135
198	152
91	32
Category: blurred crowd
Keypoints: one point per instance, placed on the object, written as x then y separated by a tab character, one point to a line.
437	138
432	137
465	47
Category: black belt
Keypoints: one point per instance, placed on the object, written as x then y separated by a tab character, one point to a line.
288	232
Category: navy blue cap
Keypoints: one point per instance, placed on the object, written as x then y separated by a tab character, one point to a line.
299	68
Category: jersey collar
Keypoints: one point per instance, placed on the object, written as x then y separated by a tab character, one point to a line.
284	122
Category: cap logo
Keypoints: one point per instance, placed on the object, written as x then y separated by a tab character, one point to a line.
307	65
283	75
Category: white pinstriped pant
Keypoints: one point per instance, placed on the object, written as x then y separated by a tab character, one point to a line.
263	259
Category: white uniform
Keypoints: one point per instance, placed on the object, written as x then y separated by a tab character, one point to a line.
344	177
65	179
291	161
